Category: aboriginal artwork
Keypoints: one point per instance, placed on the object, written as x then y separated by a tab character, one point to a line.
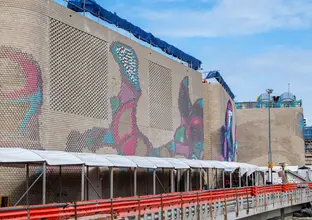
229	141
123	134
21	99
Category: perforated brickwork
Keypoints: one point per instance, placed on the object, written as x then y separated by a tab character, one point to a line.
21	99
160	96
79	72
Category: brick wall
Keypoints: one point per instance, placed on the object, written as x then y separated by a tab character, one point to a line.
68	83
220	133
286	136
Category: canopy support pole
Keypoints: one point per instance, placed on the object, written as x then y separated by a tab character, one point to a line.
253	179
44	183
200	180
188	180
27	183
217	179
135	182
172	180
29	189
223	179
82	182
87	183
246	179
111	177
231	174
256	178
239	179
154	181
207	178
60	174
178	181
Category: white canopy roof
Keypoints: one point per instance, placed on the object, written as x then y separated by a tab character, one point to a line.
142	162
58	158
159	162
18	155
244	167
93	160
279	168
229	166
192	163
178	164
216	164
119	161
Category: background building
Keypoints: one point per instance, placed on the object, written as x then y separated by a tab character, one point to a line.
308	144
219	119
287	125
71	84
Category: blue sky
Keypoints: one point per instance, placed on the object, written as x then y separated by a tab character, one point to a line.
255	44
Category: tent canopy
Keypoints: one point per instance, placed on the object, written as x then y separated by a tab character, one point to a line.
142	162
59	158
178	164
93	160
119	161
19	156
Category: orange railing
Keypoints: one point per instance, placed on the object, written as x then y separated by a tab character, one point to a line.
123	207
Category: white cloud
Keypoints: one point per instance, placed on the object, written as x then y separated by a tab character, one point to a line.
229	18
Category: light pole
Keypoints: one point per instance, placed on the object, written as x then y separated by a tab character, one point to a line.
270	163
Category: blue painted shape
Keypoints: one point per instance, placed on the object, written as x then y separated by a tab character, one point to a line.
33	100
172	146
200	102
109	139
185	82
157	152
199	145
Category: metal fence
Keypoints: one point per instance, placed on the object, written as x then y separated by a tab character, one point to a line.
250	105
226	203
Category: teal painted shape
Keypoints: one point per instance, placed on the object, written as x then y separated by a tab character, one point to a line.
185	82
157	152
199	145
200	102
197	153
89	143
109	139
115	103
172	146
180	135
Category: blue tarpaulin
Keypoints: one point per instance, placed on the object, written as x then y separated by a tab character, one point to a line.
218	77
95	9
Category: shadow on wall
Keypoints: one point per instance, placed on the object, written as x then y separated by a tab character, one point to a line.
127	138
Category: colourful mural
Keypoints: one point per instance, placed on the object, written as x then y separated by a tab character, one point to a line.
189	136
229	141
124	135
21	96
